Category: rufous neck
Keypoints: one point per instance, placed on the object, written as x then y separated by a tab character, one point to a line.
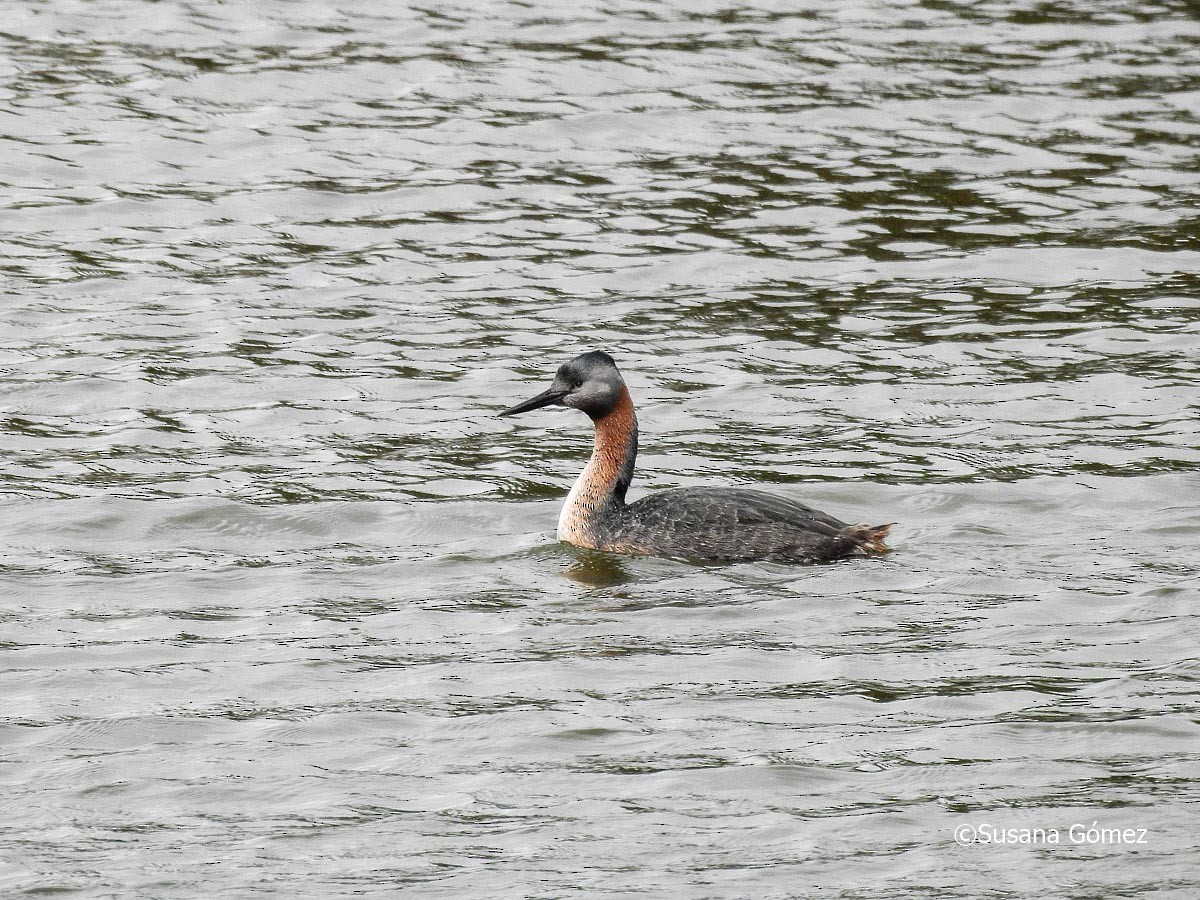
599	492
615	449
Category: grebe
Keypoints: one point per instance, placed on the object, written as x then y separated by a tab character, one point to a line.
701	523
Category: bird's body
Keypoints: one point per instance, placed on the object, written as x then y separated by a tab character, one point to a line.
702	523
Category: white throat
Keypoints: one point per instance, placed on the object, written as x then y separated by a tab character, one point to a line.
574	508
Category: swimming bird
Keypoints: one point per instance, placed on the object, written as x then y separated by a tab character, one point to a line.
713	524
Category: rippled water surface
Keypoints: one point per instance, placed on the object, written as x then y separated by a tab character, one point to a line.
283	613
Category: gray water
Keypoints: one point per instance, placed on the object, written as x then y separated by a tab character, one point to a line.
283	613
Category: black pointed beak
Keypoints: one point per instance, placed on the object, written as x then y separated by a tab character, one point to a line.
545	398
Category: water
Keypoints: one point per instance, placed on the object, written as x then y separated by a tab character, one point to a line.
282	610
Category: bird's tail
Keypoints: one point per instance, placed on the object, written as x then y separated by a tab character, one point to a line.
868	539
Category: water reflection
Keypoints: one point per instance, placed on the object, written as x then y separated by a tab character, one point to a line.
596	569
